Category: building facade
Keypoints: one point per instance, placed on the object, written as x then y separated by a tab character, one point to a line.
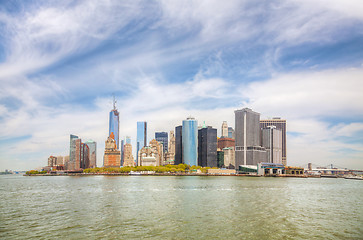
248	150
148	156
207	147
178	145
226	142
190	141
229	157
127	156
112	156
231	132
159	148
281	125
162	137
92	145
272	142
141	139
224	132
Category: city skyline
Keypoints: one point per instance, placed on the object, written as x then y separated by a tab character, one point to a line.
163	61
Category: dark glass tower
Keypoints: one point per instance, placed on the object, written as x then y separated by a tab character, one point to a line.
207	147
178	145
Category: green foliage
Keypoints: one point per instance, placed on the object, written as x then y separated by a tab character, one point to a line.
31	172
181	168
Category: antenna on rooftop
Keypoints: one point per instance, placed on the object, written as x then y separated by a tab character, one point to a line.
114	102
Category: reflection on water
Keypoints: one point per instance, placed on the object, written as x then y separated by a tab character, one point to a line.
169	207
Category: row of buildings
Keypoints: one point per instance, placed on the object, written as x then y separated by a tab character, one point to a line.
81	156
252	141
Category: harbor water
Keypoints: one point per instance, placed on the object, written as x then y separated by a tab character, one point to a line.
179	207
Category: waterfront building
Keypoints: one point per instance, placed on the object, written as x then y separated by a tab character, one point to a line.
281	125
226	142
60	160
114	124
162	137
264	168
224	129
190	141
272	142
128	158
112	156
92	145
158	147
148	156
141	139
229	157
178	145
207	147
248	150
294	170
231	132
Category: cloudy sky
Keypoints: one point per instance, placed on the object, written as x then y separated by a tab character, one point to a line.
61	62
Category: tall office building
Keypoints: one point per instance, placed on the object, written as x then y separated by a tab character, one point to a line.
84	156
248	149
272	141
224	129
162	137
190	141
114	124
231	132
178	145
74	153
92	153
281	125
207	147
141	140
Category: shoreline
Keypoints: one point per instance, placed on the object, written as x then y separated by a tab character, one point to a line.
163	174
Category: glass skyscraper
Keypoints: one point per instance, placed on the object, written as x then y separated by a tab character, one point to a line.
190	141
162	137
114	125
141	140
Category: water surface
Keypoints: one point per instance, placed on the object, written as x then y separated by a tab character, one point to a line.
172	207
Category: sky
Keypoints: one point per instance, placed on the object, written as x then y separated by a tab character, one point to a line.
62	61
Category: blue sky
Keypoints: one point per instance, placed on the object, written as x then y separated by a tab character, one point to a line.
61	61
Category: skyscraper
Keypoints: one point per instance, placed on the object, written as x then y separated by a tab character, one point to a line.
207	147
190	141
162	137
114	124
178	145
280	124
128	139
272	141
74	153
128	158
248	133
141	136
224	129
92	153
